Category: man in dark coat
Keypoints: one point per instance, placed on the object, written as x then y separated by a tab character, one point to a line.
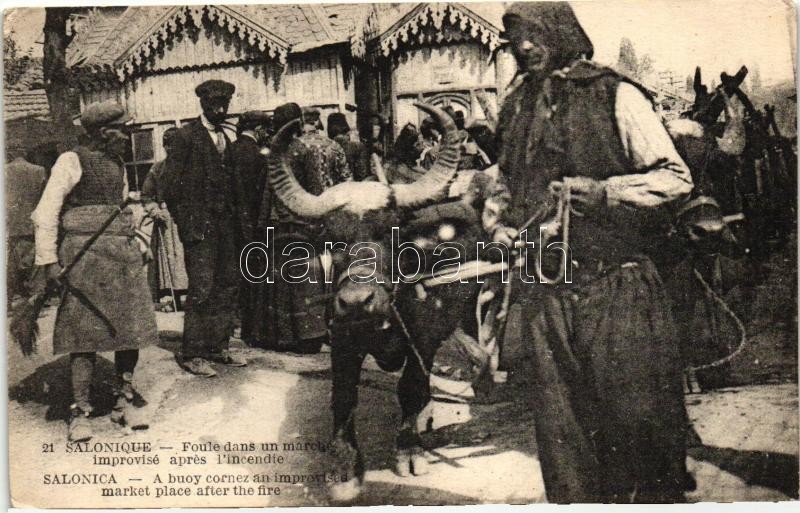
106	304
356	152
201	196
249	164
611	421
24	185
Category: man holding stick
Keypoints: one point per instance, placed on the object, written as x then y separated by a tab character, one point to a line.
106	302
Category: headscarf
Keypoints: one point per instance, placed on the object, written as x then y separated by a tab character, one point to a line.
553	24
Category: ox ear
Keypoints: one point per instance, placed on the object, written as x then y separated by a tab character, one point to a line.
698	81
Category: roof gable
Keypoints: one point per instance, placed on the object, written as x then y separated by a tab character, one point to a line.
176	18
126	42
390	27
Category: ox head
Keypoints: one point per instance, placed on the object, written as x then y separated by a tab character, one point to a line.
706	230
361	216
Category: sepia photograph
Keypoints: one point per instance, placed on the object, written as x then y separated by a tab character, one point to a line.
392	254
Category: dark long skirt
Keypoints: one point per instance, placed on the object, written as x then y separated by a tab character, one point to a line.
611	421
282	315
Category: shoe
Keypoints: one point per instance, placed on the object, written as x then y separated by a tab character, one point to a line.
198	366
80	429
225	357
129	408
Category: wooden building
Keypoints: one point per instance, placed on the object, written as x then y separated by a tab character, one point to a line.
152	58
351	58
443	53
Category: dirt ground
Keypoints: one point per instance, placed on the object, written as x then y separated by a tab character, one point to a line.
478	453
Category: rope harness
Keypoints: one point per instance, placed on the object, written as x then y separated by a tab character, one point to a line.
556	227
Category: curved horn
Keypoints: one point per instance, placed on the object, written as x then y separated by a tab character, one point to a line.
435	182
283	182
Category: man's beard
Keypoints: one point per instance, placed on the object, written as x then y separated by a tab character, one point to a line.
214	118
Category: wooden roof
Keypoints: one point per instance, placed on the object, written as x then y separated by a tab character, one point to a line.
388	27
25	104
122	40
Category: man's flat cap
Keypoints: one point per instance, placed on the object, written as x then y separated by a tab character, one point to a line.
253	118
215	89
101	114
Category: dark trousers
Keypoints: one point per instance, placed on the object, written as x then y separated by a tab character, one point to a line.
610	417
212	266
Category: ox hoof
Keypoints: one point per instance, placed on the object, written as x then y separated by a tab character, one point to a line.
411	461
403	466
345	492
419	465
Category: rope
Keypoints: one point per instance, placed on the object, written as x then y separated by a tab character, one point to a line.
739	326
413	347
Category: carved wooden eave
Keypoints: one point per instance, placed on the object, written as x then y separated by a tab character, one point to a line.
410	29
165	28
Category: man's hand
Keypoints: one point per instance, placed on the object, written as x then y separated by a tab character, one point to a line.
41	275
144	249
505	235
161	214
586	193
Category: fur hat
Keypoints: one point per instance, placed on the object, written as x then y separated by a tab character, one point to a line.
285	113
337	124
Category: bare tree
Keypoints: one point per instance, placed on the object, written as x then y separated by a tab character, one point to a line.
56	74
627	61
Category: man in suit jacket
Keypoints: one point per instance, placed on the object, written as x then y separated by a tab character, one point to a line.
250	166
201	196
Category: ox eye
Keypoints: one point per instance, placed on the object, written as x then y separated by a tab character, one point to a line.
447	232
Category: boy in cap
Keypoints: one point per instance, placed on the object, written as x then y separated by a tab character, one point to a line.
611	421
106	305
201	195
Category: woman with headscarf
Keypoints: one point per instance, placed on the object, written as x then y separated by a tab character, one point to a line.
611	422
167	270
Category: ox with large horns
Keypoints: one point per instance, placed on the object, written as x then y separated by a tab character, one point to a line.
371	314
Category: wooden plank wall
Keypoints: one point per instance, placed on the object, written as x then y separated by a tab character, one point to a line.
311	79
447	66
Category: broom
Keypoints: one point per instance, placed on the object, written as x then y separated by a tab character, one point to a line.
24	326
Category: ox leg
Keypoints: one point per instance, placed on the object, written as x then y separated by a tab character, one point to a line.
414	393
346	367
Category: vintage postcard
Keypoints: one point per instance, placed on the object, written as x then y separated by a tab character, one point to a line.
401	253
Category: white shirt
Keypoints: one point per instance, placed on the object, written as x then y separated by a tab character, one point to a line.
65	175
212	131
648	146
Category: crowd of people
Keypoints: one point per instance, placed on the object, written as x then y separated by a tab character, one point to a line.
611	423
